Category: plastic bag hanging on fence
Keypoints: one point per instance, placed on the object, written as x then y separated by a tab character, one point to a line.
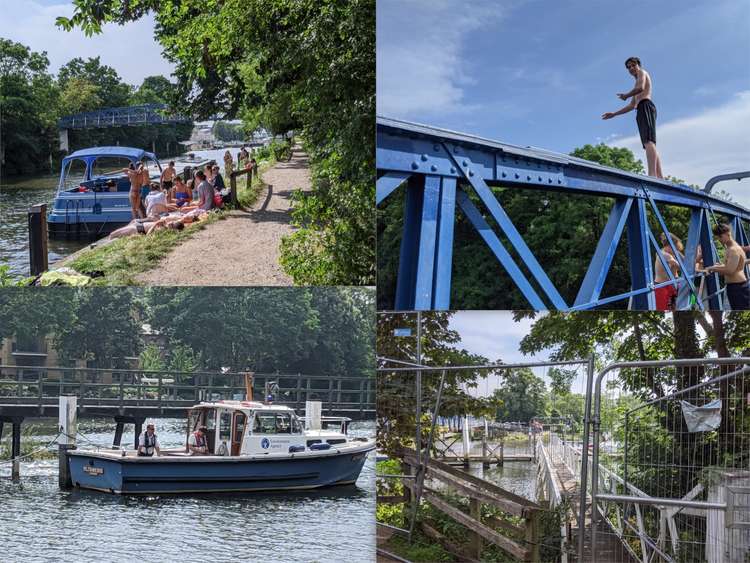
702	419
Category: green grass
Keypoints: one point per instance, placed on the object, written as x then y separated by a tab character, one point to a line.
123	259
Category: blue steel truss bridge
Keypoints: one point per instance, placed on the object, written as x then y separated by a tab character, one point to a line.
445	171
145	114
130	116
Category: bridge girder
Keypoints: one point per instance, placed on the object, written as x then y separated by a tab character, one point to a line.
440	169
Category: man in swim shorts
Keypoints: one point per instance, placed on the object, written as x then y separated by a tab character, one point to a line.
733	269
168	176
645	113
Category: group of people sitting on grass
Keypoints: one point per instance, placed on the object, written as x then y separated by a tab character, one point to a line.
171	203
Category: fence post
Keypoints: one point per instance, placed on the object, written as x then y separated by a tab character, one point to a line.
531	535
68	421
233	188
475	510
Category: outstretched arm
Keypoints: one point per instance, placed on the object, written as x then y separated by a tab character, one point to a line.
626	109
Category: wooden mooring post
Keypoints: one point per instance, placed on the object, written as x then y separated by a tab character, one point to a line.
15	450
37	215
68	417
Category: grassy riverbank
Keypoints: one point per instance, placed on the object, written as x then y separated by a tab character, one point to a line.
122	260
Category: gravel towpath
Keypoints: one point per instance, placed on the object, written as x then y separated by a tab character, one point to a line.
243	249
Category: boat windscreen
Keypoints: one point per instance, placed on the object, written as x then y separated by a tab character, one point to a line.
109	166
74	173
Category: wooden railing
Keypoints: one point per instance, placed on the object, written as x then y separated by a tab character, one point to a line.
40	387
519	541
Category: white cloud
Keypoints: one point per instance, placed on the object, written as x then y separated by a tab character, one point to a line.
130	49
419	53
711	142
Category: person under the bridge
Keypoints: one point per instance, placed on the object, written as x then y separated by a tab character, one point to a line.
733	269
666	296
148	442
645	113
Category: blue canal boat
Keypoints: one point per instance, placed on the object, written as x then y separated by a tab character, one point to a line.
92	195
251	446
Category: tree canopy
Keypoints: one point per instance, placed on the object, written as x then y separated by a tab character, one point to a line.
301	65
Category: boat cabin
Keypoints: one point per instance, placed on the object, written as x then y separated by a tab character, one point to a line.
236	428
99	169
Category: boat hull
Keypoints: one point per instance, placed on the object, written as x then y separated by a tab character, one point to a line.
167	474
88	215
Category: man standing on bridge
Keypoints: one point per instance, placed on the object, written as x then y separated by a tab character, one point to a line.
645	113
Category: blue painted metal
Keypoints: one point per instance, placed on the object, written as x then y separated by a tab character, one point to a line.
96	210
415	152
145	114
152	475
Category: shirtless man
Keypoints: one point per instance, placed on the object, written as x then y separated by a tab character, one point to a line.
167	177
733	269
645	113
666	295
136	180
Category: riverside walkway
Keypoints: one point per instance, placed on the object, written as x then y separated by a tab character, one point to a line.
244	248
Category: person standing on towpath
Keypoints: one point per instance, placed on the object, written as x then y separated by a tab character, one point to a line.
645	113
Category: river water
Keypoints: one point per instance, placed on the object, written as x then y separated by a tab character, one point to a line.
39	522
17	195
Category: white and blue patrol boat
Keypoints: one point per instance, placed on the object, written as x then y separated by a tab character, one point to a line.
92	194
252	446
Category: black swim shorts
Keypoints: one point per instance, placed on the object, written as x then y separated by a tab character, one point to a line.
167	184
646	118
739	296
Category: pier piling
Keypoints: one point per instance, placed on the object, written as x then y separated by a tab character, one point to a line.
38	239
68	417
15	448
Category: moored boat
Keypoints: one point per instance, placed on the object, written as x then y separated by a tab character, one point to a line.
251	446
92	194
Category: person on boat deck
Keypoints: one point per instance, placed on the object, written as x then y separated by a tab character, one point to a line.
168	176
205	192
197	443
217	181
145	186
182	193
135	189
148	442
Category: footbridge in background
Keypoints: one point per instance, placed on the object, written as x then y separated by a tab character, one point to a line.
442	168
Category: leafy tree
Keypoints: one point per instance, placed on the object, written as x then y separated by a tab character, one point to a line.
151	358
302	65
28	98
79	95
522	396
154	90
113	92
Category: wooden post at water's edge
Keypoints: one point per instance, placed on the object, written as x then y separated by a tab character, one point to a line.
15	449
38	239
68	426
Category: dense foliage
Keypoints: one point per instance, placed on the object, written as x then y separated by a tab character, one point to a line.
301	65
562	230
313	331
33	100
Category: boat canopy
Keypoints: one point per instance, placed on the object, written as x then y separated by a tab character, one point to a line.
128	152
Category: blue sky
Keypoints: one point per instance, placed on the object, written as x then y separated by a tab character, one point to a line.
541	73
130	49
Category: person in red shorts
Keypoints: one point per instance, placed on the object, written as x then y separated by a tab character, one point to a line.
666	296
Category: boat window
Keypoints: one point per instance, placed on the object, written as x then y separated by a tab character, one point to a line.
75	173
109	166
210	419
273	423
225	425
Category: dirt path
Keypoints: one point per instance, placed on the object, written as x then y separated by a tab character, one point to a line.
244	248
